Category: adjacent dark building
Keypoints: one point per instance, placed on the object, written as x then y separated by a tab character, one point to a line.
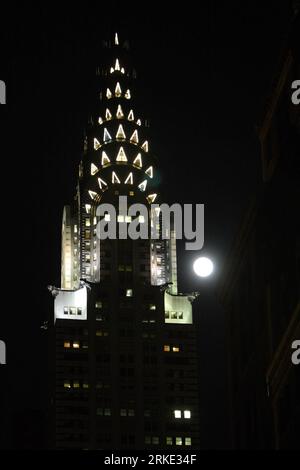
122	339
260	287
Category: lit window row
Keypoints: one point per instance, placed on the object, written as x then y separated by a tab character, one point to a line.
178	414
168	348
126	219
118	93
103	412
124	412
151	440
174	315
68	384
120	135
119	115
101	333
125	268
179	441
75	345
72	311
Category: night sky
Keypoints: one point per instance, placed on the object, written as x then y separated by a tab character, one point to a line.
203	77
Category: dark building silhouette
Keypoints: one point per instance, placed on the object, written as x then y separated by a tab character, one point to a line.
123	339
261	280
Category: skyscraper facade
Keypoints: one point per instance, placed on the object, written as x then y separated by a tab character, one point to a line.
123	339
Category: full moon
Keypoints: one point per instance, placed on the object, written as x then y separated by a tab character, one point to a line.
203	267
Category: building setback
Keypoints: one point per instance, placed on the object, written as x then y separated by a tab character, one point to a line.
122	339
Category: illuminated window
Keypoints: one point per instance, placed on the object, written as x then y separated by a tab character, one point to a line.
188	441
99	333
166	348
139	122
128	95
169	441
107	412
179	441
129	179
145	146
73	311
152	307
88	208
98	304
87	222
177	414
175	349
108	94
76	384
123	412
135	137
120	133
85	385
121	157
107	217
142	186
141	219
122	70
102	184
118	91
67	344
131	413
127	220
114	178
149	171
93	195
131	193
155	440
129	293
95	220
100	120
112	70
187	414
137	162
117	65
104	160
67	384
151	198
120	218
130	116
108	115
106	135
66	310
96	144
120	114
76	345
116	39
